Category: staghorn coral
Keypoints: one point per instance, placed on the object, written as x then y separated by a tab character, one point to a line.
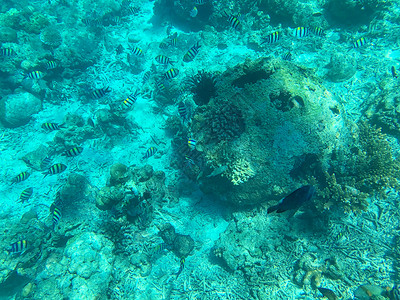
240	172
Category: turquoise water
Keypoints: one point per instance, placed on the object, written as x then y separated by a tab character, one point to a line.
199	149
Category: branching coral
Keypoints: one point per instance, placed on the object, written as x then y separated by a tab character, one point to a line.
224	121
241	171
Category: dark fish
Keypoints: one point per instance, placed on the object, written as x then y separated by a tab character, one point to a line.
52	126
55	169
21	177
360	42
192	53
46	162
35	75
162	59
173	40
160	86
192	143
119	49
182	110
25	195
7	52
317	14
301	32
137	51
394	74
287	56
181	267
50	65
146	76
130	100
293	200
73	152
99	93
234	21
134	10
171	73
56	216
328	293
272	38
18	247
318	31
150	152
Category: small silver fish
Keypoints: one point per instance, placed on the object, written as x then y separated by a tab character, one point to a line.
193	13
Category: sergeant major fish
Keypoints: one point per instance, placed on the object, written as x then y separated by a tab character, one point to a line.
294	200
18	247
55	169
192	53
25	195
150	152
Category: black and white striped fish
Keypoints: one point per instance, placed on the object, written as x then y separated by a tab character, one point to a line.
55	169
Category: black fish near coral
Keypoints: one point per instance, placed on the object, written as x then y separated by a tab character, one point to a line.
234	21
25	195
182	110
171	73
7	52
73	152
272	38
18	247
360	42
52	126
294	200
393	70
150	152
21	177
328	293
99	93
55	169
192	53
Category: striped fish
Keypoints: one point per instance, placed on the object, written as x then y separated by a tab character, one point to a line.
50	65
163	45
301	32
99	93
234	21
162	59
182	265
174	40
160	86
318	31
7	52
146	76
171	73
52	126
360	42
73	152
46	162
18	247
35	75
56	216
130	100
192	143
137	51
182	110
21	177
272	38
25	195
134	10
55	169
192	52
287	56
150	152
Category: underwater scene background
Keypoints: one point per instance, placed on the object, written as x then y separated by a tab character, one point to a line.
199	149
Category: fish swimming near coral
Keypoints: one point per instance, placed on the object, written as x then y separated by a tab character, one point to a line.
21	177
393	70
272	38
301	32
360	42
192	53
234	21
137	51
218	171
181	267
318	31
55	169
99	93
73	152
25	195
130	100
328	293
287	56
164	60
35	75
56	216
18	247
294	200
182	110
52	126
193	12
192	143
171	73
50	65
150	152
7	52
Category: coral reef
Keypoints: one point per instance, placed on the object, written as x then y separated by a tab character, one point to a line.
181	245
341	67
203	87
241	171
50	36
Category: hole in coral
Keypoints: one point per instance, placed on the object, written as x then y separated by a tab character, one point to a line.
251	78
